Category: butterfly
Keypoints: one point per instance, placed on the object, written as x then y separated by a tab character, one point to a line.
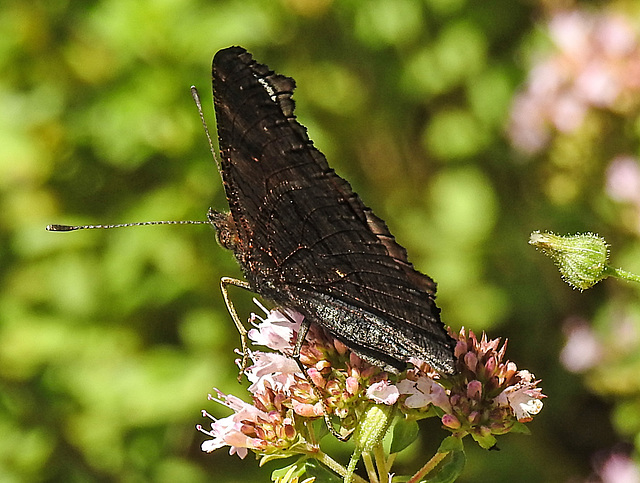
304	240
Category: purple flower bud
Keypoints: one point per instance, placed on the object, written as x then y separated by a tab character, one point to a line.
471	361
450	421
474	390
490	365
352	385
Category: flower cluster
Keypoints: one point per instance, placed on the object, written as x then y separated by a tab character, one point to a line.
487	396
596	65
337	383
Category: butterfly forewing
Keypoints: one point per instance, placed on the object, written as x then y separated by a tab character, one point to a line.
303	238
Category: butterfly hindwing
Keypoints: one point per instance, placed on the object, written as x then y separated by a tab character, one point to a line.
303	238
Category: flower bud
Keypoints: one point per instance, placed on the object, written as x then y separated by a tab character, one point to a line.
474	389
352	385
450	421
581	259
372	427
474	417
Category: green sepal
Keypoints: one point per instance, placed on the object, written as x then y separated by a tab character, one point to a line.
372	427
581	258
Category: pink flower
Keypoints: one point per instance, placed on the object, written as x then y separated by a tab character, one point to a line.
276	330
423	392
450	421
308	410
523	397
474	390
382	392
484	398
488	394
228	431
271	368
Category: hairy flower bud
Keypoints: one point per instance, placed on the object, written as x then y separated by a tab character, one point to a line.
373	425
581	258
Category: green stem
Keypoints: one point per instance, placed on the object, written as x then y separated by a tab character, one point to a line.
382	463
334	466
429	467
371	469
623	274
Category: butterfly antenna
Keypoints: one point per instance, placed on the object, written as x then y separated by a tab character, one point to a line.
196	99
122	225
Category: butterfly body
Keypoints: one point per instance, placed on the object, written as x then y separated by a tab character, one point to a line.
303	238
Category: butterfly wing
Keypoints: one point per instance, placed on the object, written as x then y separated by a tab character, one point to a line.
303	238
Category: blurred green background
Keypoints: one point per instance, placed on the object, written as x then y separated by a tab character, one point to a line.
111	340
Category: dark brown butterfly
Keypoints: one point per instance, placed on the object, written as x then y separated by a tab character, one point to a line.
303	238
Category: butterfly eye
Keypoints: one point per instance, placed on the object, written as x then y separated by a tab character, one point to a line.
226	232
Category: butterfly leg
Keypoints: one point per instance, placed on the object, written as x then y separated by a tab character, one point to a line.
224	283
302	334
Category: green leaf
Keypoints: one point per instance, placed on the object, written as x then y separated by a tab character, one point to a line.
275	456
486	441
520	428
321	473
451	443
450	470
303	469
405	432
286	474
319	427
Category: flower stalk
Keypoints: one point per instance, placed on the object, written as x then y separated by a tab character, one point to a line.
622	274
428	467
368	436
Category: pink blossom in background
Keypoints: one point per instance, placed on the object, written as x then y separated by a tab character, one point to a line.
623	179
623	182
619	468
625	330
582	350
597	60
